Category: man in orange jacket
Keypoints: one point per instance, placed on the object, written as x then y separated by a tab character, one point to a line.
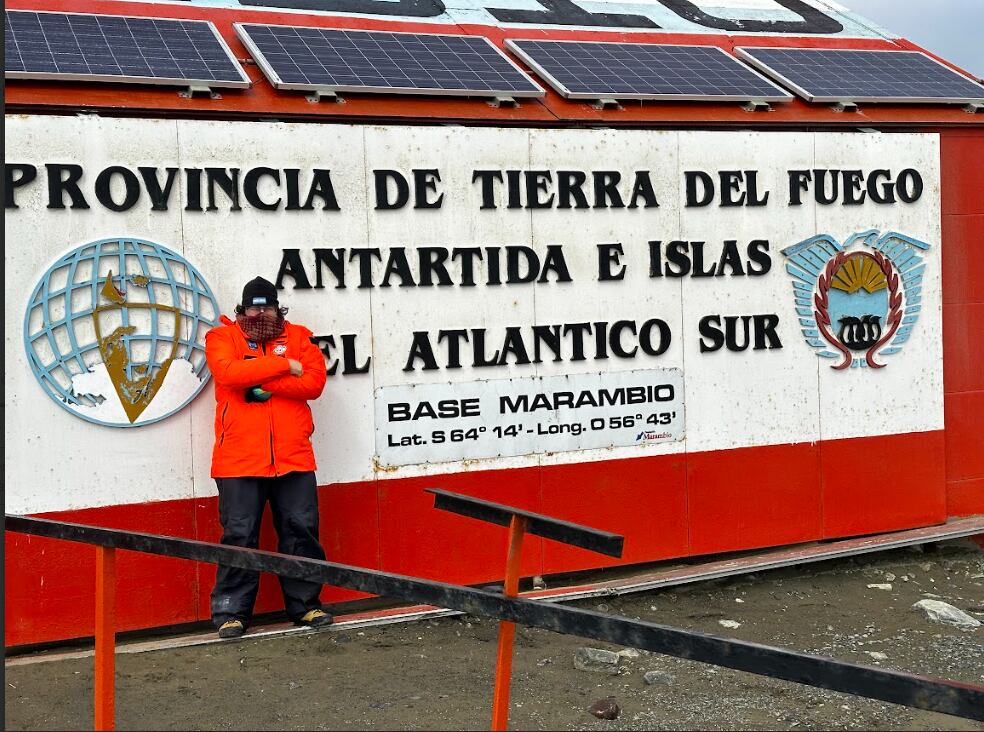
265	370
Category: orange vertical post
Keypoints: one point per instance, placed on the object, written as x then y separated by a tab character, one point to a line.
507	630
105	682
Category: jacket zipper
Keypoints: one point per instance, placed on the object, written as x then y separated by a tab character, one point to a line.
273	459
222	422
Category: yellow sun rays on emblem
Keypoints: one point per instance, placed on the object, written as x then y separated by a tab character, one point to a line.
858	272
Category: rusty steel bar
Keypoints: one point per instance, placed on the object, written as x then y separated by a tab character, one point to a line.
537	524
912	690
507	630
105	672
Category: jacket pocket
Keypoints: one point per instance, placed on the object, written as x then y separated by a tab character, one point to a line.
222	423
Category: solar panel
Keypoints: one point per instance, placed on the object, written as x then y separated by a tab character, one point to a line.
593	70
84	47
330	60
836	75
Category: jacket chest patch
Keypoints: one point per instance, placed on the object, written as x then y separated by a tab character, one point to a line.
253	345
280	349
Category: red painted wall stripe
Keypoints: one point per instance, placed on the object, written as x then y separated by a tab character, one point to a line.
666	506
962	184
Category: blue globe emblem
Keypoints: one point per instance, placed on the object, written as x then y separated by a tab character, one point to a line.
115	332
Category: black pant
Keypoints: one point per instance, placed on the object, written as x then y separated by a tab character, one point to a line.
294	502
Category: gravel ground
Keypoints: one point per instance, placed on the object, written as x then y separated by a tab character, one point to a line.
437	674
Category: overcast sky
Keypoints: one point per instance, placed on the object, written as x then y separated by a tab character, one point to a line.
952	29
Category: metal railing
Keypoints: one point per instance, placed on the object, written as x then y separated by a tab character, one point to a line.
912	690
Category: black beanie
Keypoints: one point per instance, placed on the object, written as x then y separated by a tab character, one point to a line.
259	291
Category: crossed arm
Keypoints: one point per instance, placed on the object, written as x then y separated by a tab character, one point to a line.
309	384
235	373
273	373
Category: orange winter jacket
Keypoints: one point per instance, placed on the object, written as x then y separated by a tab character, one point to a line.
270	438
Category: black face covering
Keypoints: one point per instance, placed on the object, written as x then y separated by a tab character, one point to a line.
261	328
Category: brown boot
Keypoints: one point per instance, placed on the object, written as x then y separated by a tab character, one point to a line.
316	618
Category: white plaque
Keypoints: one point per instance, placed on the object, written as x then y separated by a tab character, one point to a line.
430	423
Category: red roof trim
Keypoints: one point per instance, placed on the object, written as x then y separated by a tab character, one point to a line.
262	101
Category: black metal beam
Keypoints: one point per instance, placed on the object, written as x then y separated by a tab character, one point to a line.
912	690
548	527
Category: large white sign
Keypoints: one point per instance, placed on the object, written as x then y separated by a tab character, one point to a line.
790	280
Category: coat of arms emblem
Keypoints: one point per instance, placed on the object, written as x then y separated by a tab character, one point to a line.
857	301
115	331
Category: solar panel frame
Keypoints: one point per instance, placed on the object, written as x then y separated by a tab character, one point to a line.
745	53
277	81
781	94
243	82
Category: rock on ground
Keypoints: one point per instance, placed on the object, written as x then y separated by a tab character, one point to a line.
658	677
596	659
944	612
605	708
